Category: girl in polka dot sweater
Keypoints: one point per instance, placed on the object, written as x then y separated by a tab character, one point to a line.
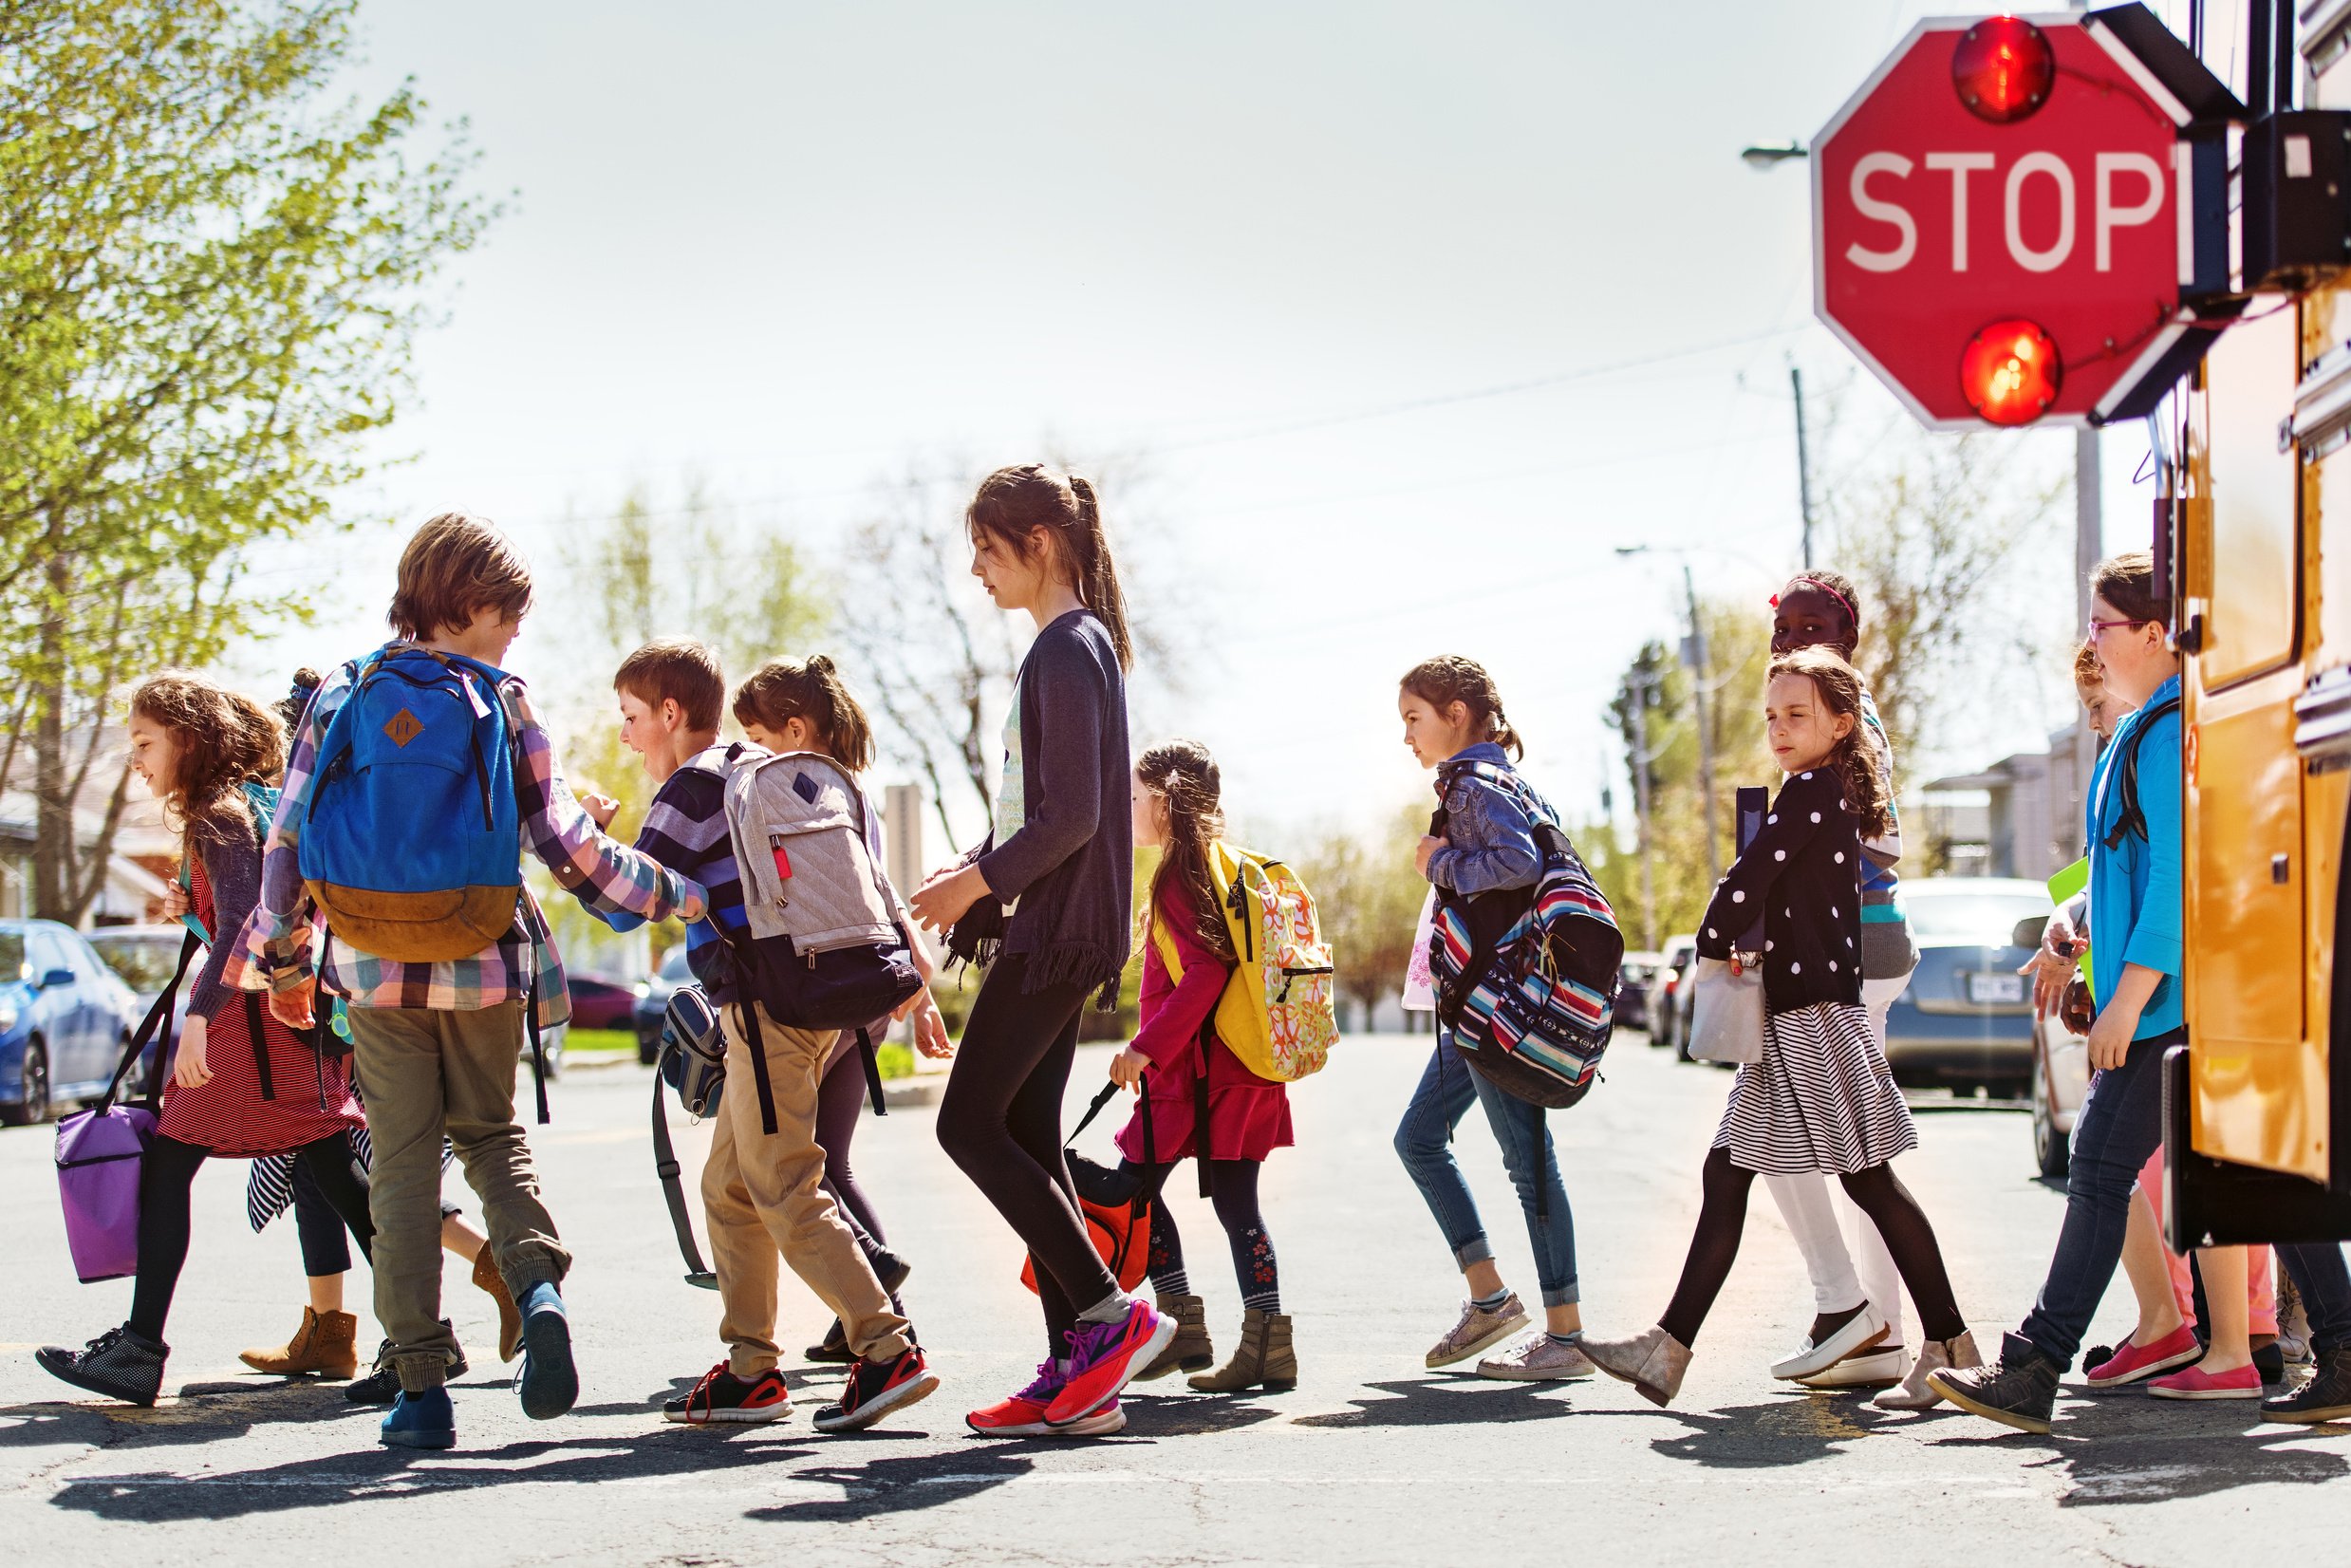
1819	1097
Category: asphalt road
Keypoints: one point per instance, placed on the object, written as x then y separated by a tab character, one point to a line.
1371	1460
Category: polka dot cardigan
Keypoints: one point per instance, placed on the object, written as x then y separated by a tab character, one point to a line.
1801	877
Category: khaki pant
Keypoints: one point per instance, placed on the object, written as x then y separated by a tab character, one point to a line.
763	1194
427	1073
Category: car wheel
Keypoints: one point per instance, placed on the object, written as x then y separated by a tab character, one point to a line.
2052	1153
34	1106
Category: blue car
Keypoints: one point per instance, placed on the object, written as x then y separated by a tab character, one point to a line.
64	1020
1966	1019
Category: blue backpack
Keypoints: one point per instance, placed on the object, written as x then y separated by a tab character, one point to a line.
412	844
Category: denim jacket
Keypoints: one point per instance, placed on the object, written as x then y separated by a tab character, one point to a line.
1489	841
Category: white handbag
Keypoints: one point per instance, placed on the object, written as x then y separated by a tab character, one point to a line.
1727	1013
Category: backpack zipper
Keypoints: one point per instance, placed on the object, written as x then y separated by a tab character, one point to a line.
1288	975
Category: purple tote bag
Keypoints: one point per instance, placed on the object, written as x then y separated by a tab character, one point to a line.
99	1154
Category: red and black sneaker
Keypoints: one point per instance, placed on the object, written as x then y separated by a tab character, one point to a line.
722	1396
877	1387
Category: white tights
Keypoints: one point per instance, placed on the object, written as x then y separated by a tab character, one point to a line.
1844	1254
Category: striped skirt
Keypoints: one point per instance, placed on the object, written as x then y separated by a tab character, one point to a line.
1819	1098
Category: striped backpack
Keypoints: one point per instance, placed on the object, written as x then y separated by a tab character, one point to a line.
1526	978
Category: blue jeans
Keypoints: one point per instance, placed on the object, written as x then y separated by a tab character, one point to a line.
2121	1124
1424	1143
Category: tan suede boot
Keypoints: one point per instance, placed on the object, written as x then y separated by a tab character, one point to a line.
1652	1361
486	1274
326	1345
1189	1348
1263	1359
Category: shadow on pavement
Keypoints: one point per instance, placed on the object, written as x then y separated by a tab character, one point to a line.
1436	1403
1181	1416
904	1485
382	1473
204	1412
1785	1431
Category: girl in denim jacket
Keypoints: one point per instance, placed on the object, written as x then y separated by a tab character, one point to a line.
1453	715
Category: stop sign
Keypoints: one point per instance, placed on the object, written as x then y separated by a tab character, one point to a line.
1933	221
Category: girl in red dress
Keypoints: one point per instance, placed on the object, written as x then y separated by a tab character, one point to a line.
242	1084
1178	807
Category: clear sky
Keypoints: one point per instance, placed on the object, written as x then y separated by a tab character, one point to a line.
1272	253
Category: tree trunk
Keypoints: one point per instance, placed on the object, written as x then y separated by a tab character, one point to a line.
52	856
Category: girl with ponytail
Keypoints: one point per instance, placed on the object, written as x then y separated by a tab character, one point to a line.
1178	807
1045	904
242	1083
1482	850
804	705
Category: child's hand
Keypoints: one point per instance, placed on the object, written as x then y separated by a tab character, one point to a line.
188	1069
943	899
600	807
293	1008
931	1029
175	901
1128	1067
1427	847
2110	1038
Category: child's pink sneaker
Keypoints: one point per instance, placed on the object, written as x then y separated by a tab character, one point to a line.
1104	1356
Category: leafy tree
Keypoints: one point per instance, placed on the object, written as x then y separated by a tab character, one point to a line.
211	282
1369	898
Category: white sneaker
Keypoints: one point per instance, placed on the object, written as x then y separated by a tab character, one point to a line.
1538	1359
1858	1332
1876	1369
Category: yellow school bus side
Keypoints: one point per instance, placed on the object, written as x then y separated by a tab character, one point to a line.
2264	832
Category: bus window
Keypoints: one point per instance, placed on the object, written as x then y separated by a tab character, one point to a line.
2249	621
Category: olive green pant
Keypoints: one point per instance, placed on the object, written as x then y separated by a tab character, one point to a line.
428	1072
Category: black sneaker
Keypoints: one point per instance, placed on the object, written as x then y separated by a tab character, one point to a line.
2326	1396
721	1398
834	1348
381	1385
2019	1390
877	1387
121	1363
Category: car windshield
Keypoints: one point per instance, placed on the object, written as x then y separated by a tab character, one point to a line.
675	968
1986	919
12	956
145	964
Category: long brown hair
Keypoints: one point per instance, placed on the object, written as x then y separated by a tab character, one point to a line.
224	739
1449	678
1853	757
1184	776
1013	502
781	690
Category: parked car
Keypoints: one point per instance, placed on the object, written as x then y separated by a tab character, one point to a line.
2060	1083
1679	952
64	1020
1965	1019
599	1003
145	958
1633	989
653	993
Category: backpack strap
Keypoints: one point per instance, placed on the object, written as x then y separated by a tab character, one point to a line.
260	1044
873	1071
538	1045
665	1166
2132	819
158	1013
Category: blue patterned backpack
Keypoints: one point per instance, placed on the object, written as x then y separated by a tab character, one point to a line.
1526	977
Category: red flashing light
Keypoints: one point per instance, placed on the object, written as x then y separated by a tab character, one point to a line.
2010	372
2003	69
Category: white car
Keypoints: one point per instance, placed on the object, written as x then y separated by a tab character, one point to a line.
2060	1083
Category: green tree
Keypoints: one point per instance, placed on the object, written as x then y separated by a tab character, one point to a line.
1369	898
211	282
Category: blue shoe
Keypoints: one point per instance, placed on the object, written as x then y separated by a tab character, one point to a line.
548	1381
420	1421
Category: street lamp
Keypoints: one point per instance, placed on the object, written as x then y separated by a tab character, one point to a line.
1765	157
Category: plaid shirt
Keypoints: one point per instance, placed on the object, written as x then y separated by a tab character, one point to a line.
273	951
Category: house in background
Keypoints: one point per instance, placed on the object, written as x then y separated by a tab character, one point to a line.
2020	817
144	857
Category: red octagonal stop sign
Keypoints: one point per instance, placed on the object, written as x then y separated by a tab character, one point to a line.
1933	223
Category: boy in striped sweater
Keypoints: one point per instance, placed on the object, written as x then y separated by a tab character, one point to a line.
763	1189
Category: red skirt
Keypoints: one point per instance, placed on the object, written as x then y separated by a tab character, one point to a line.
235	1112
1249	1116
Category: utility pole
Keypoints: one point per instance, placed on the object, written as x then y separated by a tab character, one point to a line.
1803	460
1642	684
2089	548
1694	655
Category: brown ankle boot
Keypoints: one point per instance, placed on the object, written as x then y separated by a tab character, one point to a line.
326	1345
1189	1348
1263	1358
486	1274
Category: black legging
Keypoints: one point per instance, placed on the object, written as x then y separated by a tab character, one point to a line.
1877	1192
840	1100
1000	1121
1233	1188
164	1177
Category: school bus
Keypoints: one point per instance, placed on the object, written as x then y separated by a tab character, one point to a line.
2257	539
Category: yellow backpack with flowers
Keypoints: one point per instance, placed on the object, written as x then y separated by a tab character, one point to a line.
1278	1014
